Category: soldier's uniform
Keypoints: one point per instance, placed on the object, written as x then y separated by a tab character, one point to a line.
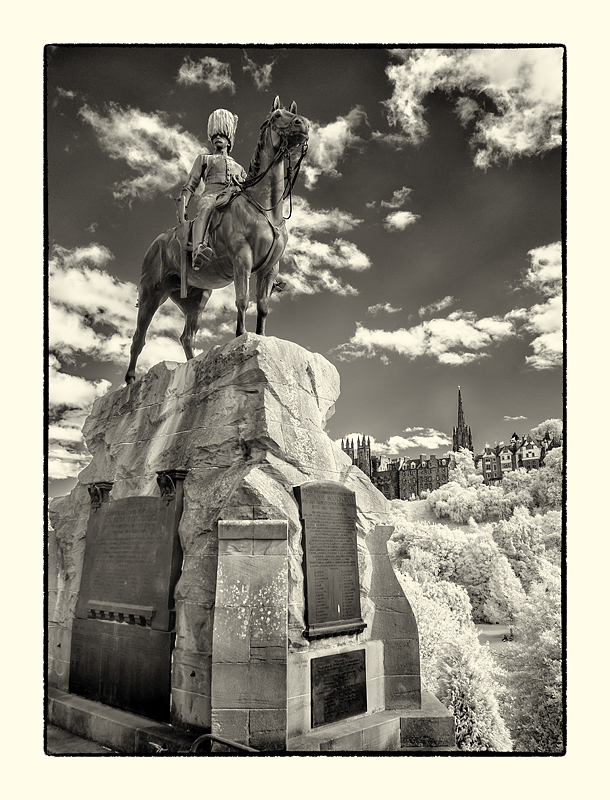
217	172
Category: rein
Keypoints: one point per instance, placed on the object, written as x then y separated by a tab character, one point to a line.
290	177
283	152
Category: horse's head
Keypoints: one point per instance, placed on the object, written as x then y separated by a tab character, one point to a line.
287	127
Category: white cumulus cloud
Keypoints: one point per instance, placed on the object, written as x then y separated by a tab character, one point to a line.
420	439
545	320
398	198
510	99
159	154
310	265
463	338
436	306
545	270
399	220
261	73
458	339
215	74
328	145
387	307
70	401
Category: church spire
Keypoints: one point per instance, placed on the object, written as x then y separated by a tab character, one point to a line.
461	420
462	436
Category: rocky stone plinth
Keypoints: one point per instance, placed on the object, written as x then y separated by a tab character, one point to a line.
247	420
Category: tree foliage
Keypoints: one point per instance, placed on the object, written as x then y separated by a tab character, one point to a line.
467	687
532	704
462	469
547	482
466	496
554	427
524	542
501	547
438	621
471	559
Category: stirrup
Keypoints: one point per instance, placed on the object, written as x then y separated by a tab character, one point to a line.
201	255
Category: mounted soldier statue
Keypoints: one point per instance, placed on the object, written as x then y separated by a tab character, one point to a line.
218	172
239	229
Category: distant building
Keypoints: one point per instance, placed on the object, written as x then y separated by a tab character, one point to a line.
400	478
407	478
360	454
462	435
522	452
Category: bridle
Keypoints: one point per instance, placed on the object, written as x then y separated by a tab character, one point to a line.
284	151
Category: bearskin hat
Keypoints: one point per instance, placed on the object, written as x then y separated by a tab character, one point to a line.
224	122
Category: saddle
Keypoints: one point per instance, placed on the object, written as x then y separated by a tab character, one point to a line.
224	199
184	231
184	235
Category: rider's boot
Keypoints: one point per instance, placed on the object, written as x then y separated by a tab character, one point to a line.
201	251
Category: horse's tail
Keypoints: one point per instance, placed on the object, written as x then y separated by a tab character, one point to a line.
156	260
162	256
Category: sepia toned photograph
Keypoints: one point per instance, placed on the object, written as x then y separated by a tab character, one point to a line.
305	326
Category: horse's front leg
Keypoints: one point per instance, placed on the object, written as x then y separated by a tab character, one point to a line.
264	285
242	267
191	307
151	297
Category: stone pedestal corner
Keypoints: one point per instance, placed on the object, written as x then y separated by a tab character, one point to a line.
250	639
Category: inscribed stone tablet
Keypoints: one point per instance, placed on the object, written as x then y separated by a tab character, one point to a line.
328	512
132	562
338	687
125	666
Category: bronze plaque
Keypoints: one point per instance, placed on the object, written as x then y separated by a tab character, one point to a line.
125	666
338	687
122	636
332	584
132	562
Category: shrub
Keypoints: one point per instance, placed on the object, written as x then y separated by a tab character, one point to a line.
467	687
468	558
533	701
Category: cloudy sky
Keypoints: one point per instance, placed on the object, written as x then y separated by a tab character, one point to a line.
425	238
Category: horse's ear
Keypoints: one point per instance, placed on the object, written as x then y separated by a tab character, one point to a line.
293	107
276	104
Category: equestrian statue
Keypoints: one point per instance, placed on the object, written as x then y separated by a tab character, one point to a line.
239	229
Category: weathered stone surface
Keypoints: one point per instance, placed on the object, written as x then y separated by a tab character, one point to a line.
247	420
394	624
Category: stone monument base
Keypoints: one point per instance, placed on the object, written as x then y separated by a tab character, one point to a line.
287	627
119	730
430	729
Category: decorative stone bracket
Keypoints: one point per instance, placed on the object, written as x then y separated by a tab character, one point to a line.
168	480
99	493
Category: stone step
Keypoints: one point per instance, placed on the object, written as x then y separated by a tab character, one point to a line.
62	743
378	732
118	730
430	728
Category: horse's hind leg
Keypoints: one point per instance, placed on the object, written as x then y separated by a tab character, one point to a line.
191	306
150	300
242	267
264	284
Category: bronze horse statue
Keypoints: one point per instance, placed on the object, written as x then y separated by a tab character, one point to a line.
248	237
